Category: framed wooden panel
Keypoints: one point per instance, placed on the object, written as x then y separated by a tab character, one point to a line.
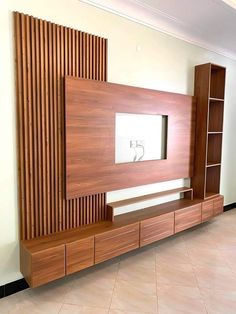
116	242
218	205
47	265
207	210
90	136
156	228
187	217
79	255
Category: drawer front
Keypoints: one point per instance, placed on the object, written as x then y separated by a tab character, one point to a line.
218	205
156	228
48	265
79	255
207	210
187	217
116	242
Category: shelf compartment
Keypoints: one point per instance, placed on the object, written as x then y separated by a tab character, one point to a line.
212	181
212	164
214	149
216	113
217	82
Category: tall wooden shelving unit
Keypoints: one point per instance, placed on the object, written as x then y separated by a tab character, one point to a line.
209	91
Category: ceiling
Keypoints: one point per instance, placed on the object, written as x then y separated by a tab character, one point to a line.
210	24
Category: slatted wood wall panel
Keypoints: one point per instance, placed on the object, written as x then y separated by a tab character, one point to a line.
45	53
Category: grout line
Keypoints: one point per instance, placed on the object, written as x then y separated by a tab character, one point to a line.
118	268
156	280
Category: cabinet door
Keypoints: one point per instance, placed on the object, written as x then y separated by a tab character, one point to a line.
116	242
48	265
187	217
156	228
207	210
218	205
79	255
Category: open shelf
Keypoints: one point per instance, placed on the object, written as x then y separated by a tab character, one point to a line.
212	181
212	164
216	99
216	110
214	148
217	82
148	197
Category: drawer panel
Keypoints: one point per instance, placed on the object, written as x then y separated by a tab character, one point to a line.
48	265
116	242
218	205
207	210
79	255
156	228
187	217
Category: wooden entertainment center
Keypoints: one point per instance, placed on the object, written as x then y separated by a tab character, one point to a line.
66	223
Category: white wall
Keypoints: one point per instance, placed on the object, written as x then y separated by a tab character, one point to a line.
163	63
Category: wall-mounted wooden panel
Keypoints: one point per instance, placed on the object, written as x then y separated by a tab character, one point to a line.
90	136
45	53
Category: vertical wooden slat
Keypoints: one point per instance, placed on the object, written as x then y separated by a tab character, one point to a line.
35	225
20	119
45	53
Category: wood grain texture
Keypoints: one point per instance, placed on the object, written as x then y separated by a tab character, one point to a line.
157	228
79	255
207	210
116	242
47	265
45	54
90	136
202	92
218	205
187	217
149	197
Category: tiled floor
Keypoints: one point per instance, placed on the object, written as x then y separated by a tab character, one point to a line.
192	272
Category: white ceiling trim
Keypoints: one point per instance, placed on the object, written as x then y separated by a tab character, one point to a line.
123	7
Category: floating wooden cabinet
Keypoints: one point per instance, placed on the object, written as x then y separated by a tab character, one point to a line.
207	210
156	228
79	255
187	217
41	267
218	205
116	242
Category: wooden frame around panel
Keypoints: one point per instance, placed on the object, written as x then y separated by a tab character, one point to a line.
90	136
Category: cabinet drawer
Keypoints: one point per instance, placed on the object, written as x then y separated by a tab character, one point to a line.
156	228
116	242
47	265
79	255
218	205
187	217
207	210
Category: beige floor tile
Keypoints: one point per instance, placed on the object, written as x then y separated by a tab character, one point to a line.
219	301
141	268
174	242
136	297
95	289
215	278
206	257
52	292
75	309
180	299
168	256
176	274
30	307
12	303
